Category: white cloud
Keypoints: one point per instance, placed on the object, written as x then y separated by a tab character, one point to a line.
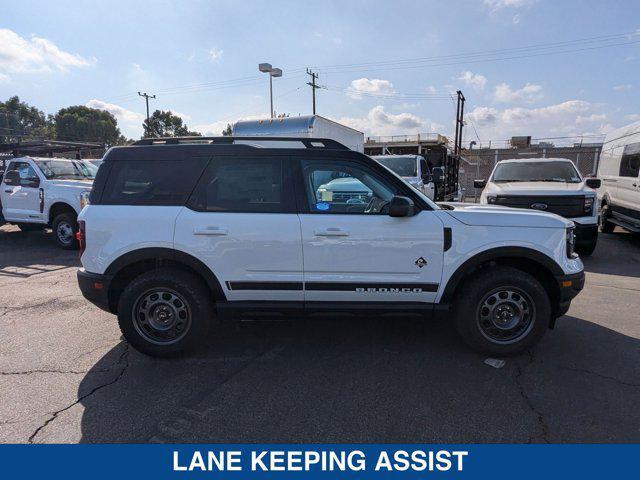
379	122
373	86
633	117
623	88
573	117
432	89
4	78
474	80
119	112
215	54
594	117
35	55
529	93
499	4
214	129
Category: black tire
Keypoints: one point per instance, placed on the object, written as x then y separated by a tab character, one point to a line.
586	249
605	225
65	227
480	332
156	327
30	227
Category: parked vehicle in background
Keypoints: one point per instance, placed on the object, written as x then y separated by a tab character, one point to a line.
40	192
619	169
551	185
304	126
413	169
179	231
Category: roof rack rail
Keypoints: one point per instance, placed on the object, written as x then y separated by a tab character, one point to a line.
326	143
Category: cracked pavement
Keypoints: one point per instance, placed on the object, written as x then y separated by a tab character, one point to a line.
67	376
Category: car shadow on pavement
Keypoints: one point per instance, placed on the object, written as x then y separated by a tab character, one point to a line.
393	380
610	249
25	254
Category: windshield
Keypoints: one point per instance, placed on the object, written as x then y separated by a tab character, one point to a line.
403	166
536	171
67	169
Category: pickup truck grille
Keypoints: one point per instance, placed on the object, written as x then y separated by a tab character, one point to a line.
565	205
342	197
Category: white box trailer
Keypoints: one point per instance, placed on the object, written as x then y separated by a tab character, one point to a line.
306	126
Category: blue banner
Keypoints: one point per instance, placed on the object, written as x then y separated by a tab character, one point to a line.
496	462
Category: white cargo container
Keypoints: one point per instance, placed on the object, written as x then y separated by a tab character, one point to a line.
307	126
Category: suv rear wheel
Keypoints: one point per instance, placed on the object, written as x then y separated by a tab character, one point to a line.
165	312
502	311
65	227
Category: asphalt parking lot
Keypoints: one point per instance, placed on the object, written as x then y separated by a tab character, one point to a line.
67	376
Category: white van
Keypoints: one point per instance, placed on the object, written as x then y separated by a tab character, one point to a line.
619	169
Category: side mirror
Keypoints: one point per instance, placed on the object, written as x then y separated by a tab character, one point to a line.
479	183
438	176
401	207
427	177
593	182
12	177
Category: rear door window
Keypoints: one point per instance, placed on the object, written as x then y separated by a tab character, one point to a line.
152	182
245	184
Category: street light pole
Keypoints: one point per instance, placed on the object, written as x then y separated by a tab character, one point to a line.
271	93
273	72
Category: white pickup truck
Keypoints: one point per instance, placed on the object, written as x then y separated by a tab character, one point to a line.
551	185
40	192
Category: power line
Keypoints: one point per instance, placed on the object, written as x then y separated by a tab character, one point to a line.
513	53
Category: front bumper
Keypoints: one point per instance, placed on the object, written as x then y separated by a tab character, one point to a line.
95	288
570	286
586	233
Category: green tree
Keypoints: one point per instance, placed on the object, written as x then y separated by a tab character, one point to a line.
166	124
84	124
21	121
228	131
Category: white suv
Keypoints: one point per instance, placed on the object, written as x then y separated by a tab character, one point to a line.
181	231
39	192
551	185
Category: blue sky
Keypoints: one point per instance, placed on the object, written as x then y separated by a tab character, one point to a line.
387	67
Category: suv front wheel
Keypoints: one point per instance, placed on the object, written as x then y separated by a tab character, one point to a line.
164	312
502	311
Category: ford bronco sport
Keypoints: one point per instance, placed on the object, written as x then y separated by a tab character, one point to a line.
182	231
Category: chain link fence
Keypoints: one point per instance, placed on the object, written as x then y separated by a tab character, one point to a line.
479	163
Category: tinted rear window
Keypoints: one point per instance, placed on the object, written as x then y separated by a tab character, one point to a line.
240	184
151	182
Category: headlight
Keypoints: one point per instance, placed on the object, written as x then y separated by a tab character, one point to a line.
588	205
491	199
571	242
84	199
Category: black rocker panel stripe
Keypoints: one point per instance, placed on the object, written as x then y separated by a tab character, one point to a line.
336	286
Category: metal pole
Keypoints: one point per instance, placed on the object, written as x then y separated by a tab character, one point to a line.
313	86
271	92
146	98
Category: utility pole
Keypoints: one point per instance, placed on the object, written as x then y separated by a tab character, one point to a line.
457	149
146	98
313	86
